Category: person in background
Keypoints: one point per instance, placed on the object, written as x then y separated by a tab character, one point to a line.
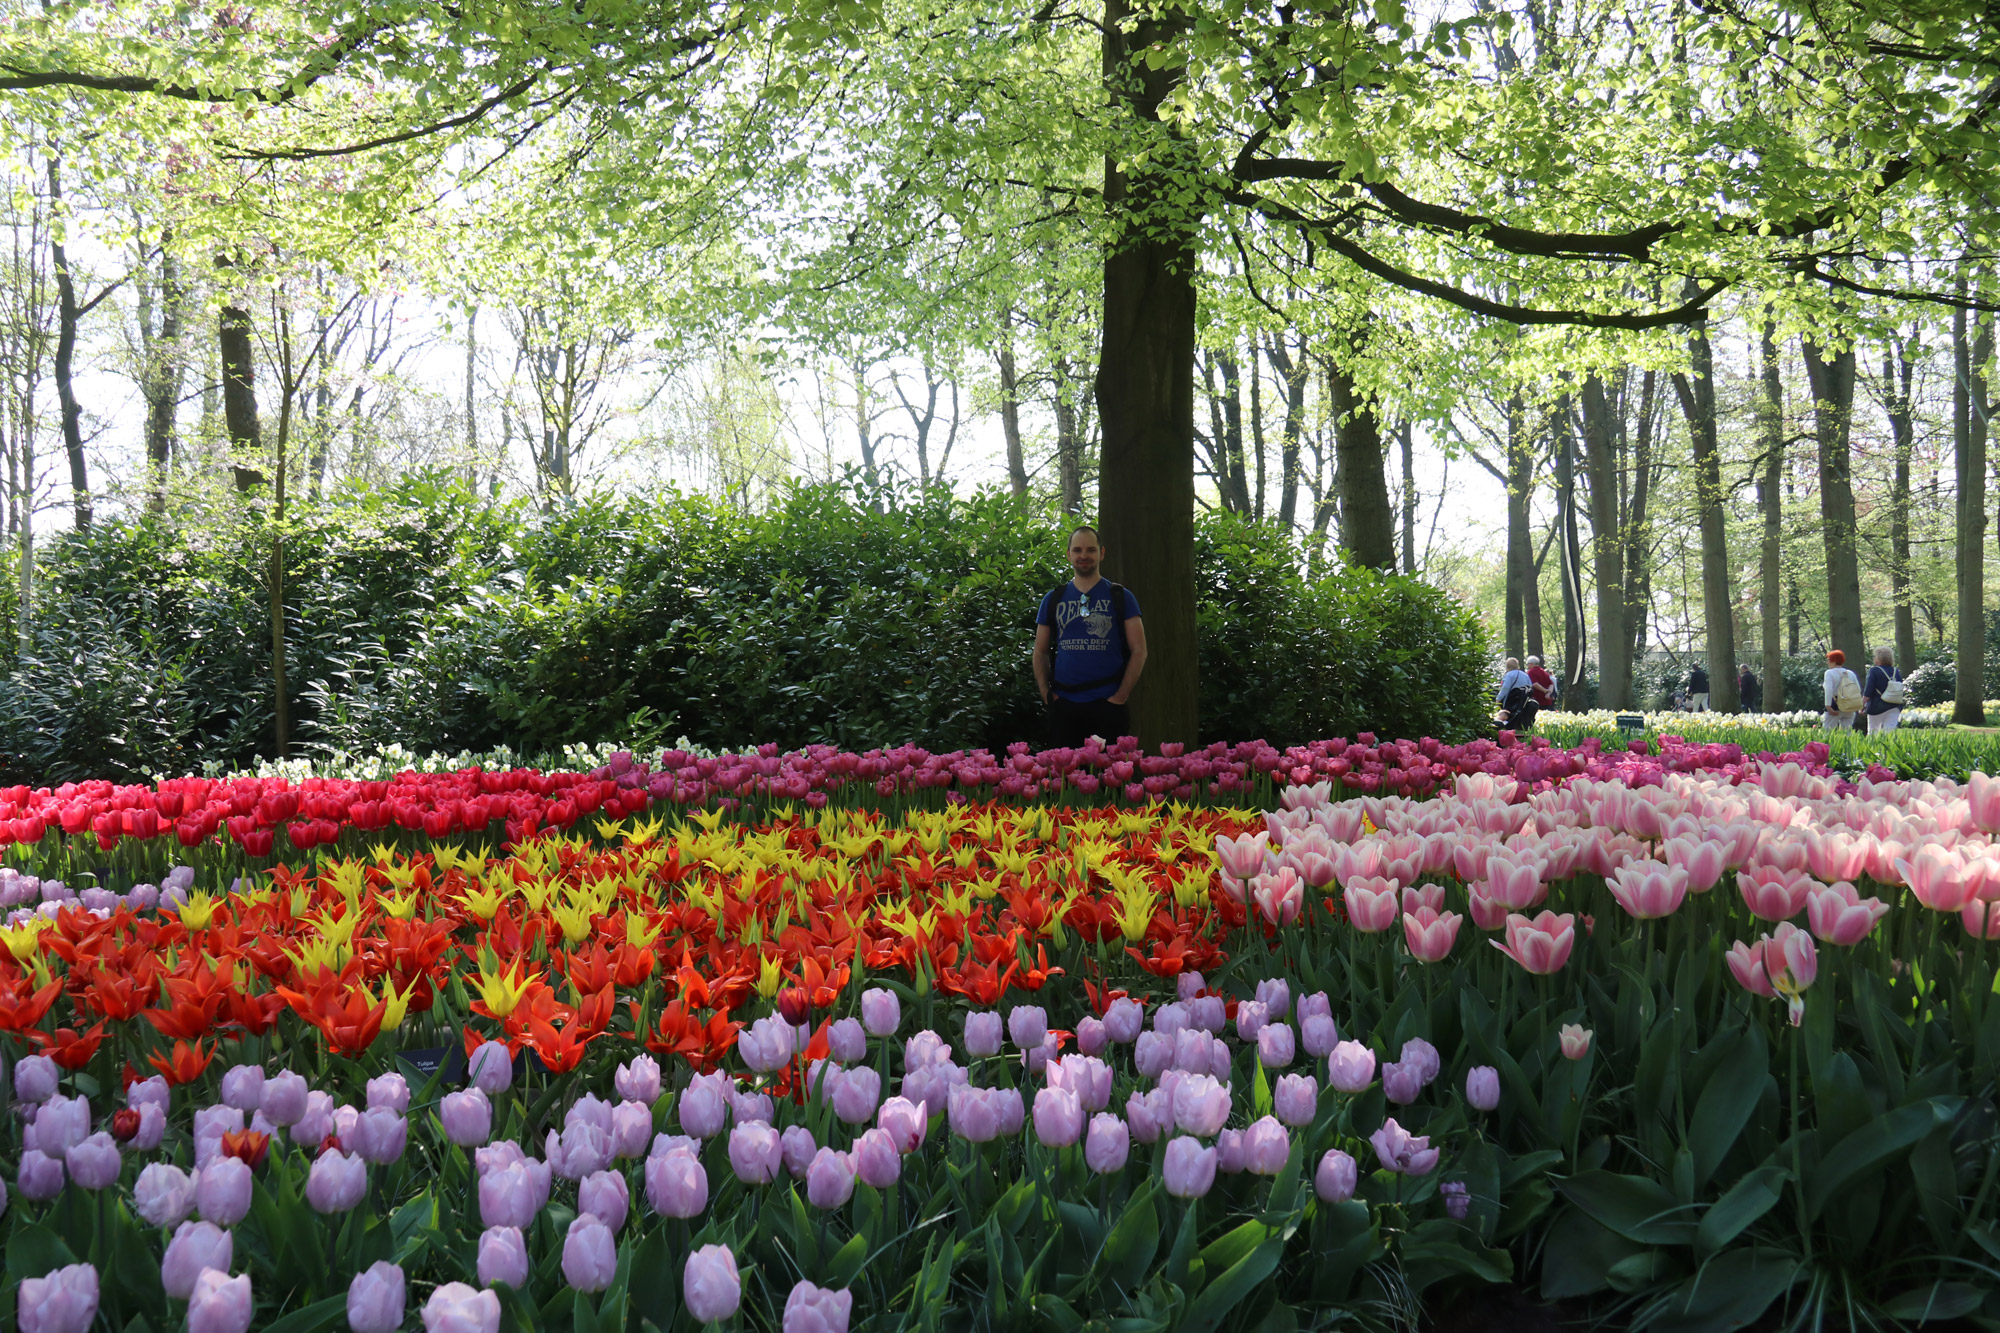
1542	685
1842	694
1090	646
1884	692
1749	691
1698	689
1512	678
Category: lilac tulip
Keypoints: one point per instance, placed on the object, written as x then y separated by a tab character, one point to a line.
1122	1020
606	1196
338	1181
925	1048
1091	1038
1266	1146
155	1090
1457	1198
41	1176
243	1087
379	1136
1318	1035
799	1150
746	1106
1148	1114
222	1191
1153	1054
1189	1168
1251	1016
1403	1152
219	1303
703	1107
1482	1087
765	1045
579	1150
63	1122
1296	1099
589	1254
846	1041
376	1299
638	1080
195	1246
881	1011
1170	1020
1208	1013
1336	1177
284	1099
756	1153
1275	994
830	1180
1107	1144
855	1095
457	1308
389	1092
316	1125
1423	1057
503	1257
974	1114
982	1033
1201	1105
36	1079
631	1130
507	1196
876	1162
467	1117
811	1309
163	1195
1275	1046
64	1301
1058	1117
1028	1025
1402	1083
94	1164
710	1285
1229	1151
676	1184
906	1123
1351	1067
490	1068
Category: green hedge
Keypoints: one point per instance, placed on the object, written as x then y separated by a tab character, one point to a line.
426	616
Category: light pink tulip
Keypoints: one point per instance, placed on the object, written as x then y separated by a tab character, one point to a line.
1372	904
1423	895
1515	884
1542	945
1936	875
1701	861
1648	890
1746	964
1982	795
1429	935
1981	919
1279	896
1574	1040
1838	914
1773	894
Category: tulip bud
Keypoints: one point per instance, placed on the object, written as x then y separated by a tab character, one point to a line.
638	1080
710	1285
590	1255
881	1012
503	1257
222	1191
1482	1087
376	1298
1336	1177
490	1068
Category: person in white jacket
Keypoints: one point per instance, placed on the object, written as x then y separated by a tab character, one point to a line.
1838	718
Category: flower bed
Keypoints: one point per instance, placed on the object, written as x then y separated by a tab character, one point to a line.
1192	1068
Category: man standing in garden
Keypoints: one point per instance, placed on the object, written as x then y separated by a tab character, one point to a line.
1090	647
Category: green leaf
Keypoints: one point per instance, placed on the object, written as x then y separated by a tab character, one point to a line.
1580	1255
1939	1300
845	1266
1869	1149
312	1318
1727	1099
1747	1200
1219	1299
1728	1292
1134	1240
1635	1207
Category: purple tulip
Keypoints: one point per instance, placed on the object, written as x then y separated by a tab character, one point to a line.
94	1164
42	1176
1351	1067
1107	1144
1402	1083
1028	1026
467	1116
926	1048
881	1011
1336	1177
1266	1146
974	1114
163	1195
906	1123
748	1106
1423	1057
195	1246
1275	1047
1188	985
1275	994
830	1179
222	1191
1482	1087
284	1099
1296	1099
982	1033
1091	1038
855	1095
1201	1105
710	1285
605	1195
877	1164
1153	1054
1149	1114
1315	1003
64	1301
631	1130
1189	1168
594	1111
503	1257
1251	1016
1318	1035
703	1107
811	1309
1207	1013
1122	1020
756	1153
376	1299
1403	1152
589	1254
316	1124
63	1122
389	1092
676	1184
507	1196
846	1042
155	1090
219	1303
379	1135
457	1308
638	1080
338	1181
1170	1020
1058	1117
243	1087
799	1150
1457	1199
36	1079
765	1045
579	1150
490	1068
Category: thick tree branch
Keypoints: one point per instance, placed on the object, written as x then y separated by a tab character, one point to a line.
477	113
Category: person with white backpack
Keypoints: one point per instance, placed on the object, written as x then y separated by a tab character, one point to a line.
1884	692
1844	700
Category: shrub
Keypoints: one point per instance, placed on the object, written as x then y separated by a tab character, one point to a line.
1935	682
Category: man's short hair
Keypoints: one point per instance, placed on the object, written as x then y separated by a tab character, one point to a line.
1513	664
1534	661
1085	527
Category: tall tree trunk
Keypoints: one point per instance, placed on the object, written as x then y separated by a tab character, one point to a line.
1531	599
1069	440
161	384
1770	500
1832	380
1257	424
1292	373
864	431
65	358
239	393
1575	640
1968	421
1697	395
1145	387
1226	450
1520	539
1614	671
1638	532
1403	438
1010	410
1367	523
1896	373
281	705
471	400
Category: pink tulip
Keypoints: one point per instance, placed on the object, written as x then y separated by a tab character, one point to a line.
1574	1040
457	1308
1701	861
1773	894
1487	911
1648	890
1243	857
1515	884
1423	895
1542	945
1372	904
1429	935
1936	875
1839	915
811	1309
1792	963
1981	919
1189	1168
1280	896
1835	856
1982	795
1746	964
710	1284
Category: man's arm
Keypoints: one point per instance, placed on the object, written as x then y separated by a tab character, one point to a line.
1135	641
1043	641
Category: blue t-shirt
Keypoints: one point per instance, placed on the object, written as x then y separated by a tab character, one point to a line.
1090	659
1878	681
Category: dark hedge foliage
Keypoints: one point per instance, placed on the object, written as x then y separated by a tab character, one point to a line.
426	616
